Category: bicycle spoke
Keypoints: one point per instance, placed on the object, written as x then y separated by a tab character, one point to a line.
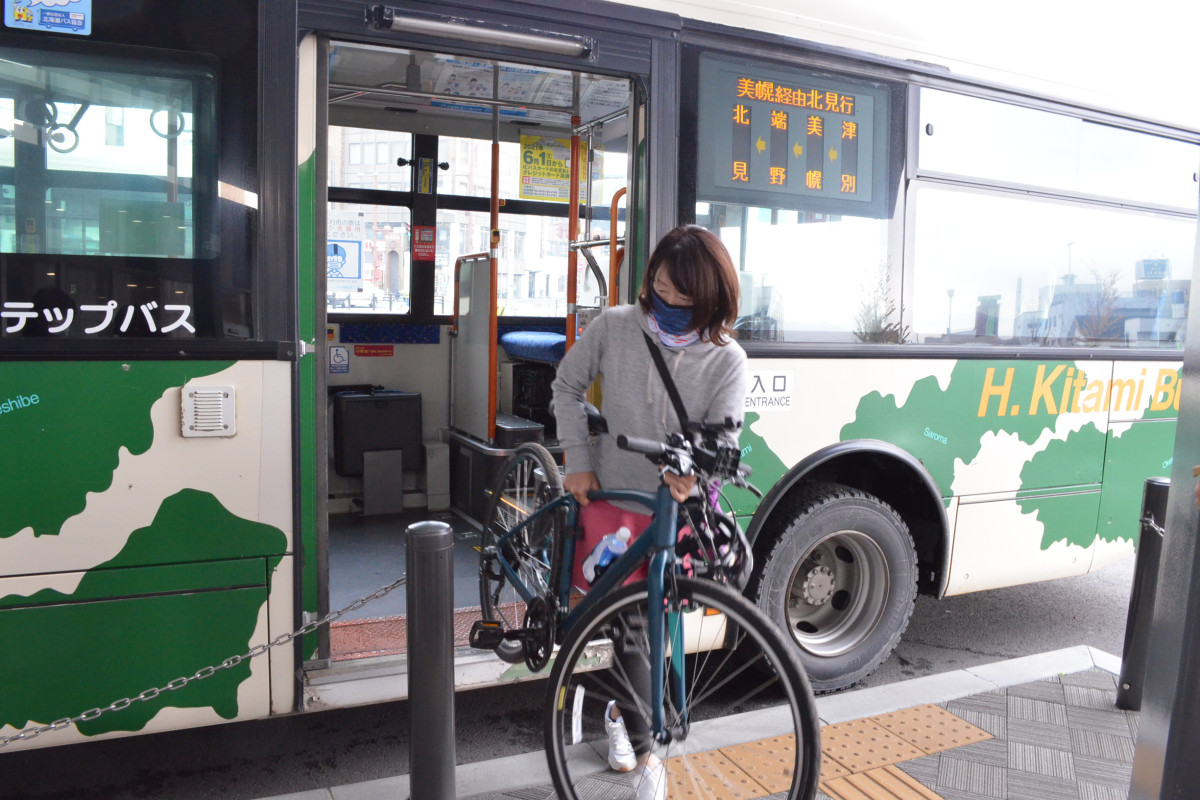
517	541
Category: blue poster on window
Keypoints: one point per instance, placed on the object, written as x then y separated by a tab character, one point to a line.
54	16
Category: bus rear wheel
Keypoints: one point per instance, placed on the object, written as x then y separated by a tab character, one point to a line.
841	579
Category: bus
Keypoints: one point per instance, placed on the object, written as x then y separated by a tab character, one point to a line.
279	278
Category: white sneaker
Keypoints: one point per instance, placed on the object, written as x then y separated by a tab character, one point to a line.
620	750
651	782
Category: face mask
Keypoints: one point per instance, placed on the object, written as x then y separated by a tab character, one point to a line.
673	339
670	319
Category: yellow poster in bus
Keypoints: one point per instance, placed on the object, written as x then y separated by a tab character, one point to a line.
546	169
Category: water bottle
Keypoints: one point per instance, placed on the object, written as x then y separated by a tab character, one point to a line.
607	551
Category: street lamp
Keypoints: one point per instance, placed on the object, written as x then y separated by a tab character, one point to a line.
949	309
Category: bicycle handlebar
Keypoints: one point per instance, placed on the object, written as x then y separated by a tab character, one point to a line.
644	446
683	458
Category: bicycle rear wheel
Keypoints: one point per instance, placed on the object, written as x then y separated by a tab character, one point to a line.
529	481
730	730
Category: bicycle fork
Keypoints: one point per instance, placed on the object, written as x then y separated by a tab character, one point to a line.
665	629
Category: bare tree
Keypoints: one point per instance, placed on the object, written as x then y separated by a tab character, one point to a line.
877	320
1100	320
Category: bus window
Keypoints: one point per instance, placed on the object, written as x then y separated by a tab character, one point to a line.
368	259
368	246
532	264
365	158
798	171
809	277
1009	144
469	168
1001	268
108	199
1013	236
533	244
1005	266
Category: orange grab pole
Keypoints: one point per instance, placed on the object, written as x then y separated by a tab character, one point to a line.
572	234
614	253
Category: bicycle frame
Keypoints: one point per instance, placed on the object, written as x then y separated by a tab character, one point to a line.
656	543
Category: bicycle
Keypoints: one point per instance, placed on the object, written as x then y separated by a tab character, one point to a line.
705	644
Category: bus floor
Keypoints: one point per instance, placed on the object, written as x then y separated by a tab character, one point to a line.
366	553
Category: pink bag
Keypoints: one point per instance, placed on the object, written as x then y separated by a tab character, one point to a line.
596	520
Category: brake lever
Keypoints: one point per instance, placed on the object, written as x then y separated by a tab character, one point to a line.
740	481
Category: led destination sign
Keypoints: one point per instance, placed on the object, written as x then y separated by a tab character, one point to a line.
790	138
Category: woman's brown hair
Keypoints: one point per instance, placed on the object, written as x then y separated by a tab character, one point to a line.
700	267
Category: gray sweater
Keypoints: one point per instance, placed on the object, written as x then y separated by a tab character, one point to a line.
711	381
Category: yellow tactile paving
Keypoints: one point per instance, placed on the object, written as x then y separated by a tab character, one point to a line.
885	783
831	769
711	774
769	761
862	744
857	759
931	728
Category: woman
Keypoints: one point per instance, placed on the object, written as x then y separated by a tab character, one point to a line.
687	306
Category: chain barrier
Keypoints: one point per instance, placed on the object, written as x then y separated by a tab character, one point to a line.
201	674
1149	522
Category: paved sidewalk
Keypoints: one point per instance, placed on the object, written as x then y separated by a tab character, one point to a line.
1037	728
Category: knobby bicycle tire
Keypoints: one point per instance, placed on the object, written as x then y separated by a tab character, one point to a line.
776	745
528	481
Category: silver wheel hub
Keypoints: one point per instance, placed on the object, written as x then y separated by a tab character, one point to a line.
838	593
818	586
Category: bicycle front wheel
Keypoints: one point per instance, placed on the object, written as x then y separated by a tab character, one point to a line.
738	715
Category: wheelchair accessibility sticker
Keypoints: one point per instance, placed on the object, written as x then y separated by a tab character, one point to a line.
339	359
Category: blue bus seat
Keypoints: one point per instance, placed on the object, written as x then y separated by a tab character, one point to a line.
544	347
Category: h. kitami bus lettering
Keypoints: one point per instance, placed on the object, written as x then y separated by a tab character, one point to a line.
1065	389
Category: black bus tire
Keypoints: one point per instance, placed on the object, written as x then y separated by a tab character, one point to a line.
841	581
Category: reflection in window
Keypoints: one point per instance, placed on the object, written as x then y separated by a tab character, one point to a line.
346	167
531	280
1006	269
470	171
809	277
368	259
1002	142
114	127
108	201
523	171
145	205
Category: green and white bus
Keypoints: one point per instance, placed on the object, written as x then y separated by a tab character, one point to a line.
279	278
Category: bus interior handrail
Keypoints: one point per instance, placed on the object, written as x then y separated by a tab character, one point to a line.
615	254
458	262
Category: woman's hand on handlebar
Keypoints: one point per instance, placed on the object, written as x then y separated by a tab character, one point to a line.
681	485
579	484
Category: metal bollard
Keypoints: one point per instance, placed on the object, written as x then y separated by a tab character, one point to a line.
1142	595
429	550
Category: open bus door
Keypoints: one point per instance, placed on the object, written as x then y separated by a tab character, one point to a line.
448	195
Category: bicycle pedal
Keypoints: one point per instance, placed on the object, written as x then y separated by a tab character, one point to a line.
486	634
